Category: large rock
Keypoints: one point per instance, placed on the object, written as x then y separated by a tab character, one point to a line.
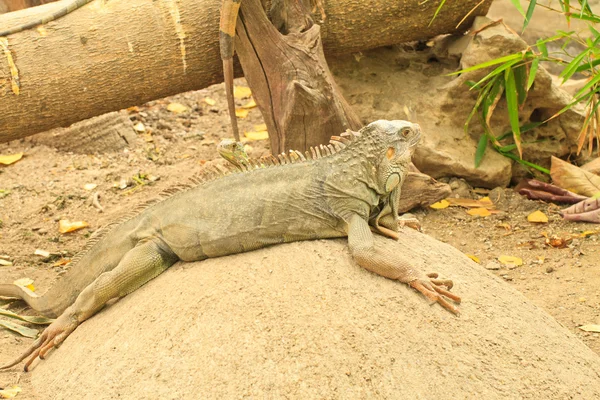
302	320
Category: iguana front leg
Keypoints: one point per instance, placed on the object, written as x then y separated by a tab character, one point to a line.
382	261
139	265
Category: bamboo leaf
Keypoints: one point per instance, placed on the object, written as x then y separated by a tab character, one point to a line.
520	73
20	329
516	56
517	4
527	163
586	88
541	45
588	66
437	11
532	71
529	13
572	66
31	320
513	107
481	146
497	71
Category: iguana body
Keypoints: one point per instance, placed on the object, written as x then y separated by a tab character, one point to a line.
69	7
353	186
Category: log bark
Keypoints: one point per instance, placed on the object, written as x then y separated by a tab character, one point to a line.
111	55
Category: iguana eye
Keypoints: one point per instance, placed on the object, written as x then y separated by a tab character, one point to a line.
404	132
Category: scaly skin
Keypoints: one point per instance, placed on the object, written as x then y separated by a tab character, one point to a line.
72	6
347	192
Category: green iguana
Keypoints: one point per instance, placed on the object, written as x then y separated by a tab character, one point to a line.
69	7
343	189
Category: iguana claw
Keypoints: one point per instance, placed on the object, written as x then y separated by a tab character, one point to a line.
52	337
436	291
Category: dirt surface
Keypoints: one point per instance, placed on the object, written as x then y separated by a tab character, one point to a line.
47	185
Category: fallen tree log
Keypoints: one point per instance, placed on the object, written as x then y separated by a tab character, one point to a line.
111	55
302	320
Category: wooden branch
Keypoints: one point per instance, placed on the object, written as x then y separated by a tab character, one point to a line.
111	55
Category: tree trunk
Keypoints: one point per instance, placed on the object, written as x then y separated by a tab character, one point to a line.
111	55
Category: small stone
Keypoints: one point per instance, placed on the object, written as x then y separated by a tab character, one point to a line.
493	265
549	269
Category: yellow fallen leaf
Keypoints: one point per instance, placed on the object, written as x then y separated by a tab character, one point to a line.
260	127
177	108
440	205
259	135
250	104
139	127
65	226
25	282
474	258
484	202
241	92
510	260
587	233
10	393
209	101
590	328
479	212
10	158
241	113
538	217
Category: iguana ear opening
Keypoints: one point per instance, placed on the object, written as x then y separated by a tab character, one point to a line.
391	152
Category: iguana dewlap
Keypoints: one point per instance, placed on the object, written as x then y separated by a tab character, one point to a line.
343	189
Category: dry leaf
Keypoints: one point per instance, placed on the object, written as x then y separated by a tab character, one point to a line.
510	260
474	258
25	282
588	233
573	178
26	318
590	328
177	108
10	158
558	242
249	104
241	92
440	205
479	212
593	166
90	186
61	262
259	135
537	216
484	202
5	263
43	253
139	127
209	101
504	225
241	113
65	226
10	392
20	329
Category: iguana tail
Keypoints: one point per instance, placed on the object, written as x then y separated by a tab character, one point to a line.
72	6
229	14
34	301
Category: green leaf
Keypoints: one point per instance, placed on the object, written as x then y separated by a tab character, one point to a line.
529	13
588	66
572	67
587	87
541	45
491	97
31	320
513	107
527	163
437	11
516	56
497	71
520	73
517	4
481	146
532	71
20	329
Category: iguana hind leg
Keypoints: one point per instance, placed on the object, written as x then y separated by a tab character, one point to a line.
139	265
384	262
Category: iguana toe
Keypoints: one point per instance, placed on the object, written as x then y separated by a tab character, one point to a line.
434	291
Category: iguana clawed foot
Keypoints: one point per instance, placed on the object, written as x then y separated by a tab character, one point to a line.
436	290
52	337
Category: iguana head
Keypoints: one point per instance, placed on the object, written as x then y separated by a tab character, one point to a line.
397	141
233	152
